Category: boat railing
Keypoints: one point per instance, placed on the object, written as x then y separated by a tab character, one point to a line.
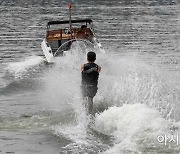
65	34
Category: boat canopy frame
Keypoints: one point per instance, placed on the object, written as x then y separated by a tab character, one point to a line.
89	21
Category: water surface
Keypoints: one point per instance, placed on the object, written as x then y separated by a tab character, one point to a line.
137	104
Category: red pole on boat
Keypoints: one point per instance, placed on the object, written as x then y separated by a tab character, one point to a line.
70	23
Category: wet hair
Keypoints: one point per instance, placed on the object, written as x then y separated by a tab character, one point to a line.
91	56
83	26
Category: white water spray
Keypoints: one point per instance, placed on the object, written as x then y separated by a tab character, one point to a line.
124	79
19	69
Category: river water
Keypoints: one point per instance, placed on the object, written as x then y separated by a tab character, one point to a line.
137	107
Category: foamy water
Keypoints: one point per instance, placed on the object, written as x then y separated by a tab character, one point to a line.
137	109
135	127
132	107
18	69
132	92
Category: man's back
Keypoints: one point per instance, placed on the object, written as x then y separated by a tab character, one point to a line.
90	74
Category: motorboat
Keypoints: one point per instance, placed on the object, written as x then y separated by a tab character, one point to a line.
60	35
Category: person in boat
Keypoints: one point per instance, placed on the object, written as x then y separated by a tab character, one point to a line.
84	33
89	34
81	33
90	74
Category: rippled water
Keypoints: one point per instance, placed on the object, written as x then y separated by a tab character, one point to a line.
137	104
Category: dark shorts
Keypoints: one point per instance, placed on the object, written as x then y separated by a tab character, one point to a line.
89	91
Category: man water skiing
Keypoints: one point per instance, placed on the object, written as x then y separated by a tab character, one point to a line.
90	74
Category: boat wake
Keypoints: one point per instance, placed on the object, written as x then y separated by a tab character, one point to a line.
133	106
136	106
135	128
24	68
22	76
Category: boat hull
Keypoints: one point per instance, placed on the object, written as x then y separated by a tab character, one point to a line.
47	51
